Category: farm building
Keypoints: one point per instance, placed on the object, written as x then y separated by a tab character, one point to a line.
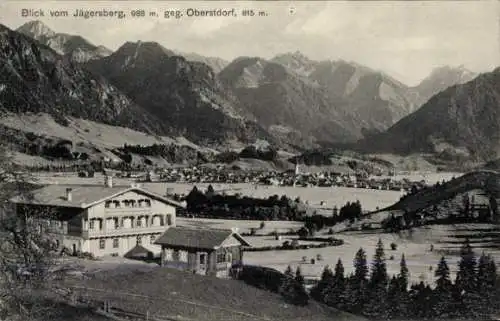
100	219
202	251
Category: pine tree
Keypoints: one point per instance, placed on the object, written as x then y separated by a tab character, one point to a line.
492	283
289	272
486	283
466	280
403	297
357	284
318	290
443	299
377	306
298	276
393	299
404	274
292	290
335	293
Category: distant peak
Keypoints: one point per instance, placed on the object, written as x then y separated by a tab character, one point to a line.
36	29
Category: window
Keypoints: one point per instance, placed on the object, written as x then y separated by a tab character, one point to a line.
221	257
139	240
107	204
152	239
116	243
102	244
169	219
203	258
148	203
139	221
126	203
183	256
117	203
91	224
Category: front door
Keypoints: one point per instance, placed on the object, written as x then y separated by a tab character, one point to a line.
203	263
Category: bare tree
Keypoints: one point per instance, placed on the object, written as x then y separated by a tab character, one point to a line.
27	252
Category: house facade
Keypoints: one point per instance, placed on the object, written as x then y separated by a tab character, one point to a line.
100	219
201	251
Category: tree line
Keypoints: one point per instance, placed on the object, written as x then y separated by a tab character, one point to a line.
215	205
370	291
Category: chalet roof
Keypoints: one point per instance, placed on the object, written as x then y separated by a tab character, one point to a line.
138	251
83	196
200	238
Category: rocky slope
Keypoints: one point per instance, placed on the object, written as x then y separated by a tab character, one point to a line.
288	105
462	121
372	96
35	79
74	47
216	63
186	96
440	79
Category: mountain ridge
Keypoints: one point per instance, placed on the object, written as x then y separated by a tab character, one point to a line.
471	115
74	47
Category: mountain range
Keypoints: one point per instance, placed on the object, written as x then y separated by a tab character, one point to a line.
74	47
461	121
290	100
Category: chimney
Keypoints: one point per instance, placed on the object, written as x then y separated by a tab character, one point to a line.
69	194
108	181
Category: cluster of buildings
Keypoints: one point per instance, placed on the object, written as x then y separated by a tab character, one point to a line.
129	221
286	178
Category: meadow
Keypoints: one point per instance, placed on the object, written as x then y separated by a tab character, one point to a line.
416	247
321	198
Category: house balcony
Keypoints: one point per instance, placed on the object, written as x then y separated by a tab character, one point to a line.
123	231
128	210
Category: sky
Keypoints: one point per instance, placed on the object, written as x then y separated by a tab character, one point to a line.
406	39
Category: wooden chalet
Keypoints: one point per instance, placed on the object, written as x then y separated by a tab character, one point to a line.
201	251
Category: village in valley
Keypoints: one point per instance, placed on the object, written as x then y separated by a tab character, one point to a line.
241	226
249	161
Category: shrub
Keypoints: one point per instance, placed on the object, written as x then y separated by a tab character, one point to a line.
394	246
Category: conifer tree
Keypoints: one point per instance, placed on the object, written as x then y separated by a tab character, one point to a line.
492	283
404	274
377	307
466	280
393	298
443	299
298	276
357	283
319	290
403	279
289	272
486	283
335	293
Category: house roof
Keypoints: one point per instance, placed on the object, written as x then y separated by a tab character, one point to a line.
201	238
83	196
138	251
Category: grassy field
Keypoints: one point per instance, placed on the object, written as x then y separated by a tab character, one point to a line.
331	196
415	244
169	293
242	225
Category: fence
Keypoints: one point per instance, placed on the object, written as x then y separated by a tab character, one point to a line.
133	306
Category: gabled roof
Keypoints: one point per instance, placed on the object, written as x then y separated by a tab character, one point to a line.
200	238
83	196
138	251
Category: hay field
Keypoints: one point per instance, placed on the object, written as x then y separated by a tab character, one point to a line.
418	256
